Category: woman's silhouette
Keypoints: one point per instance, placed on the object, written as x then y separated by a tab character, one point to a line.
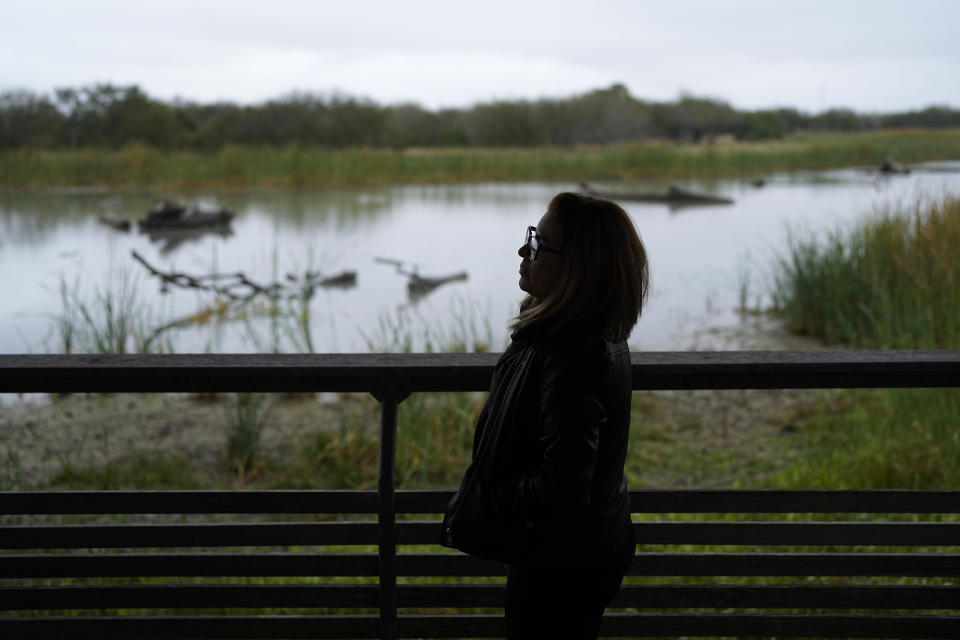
545	492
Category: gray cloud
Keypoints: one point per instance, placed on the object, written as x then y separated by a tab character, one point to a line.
873	56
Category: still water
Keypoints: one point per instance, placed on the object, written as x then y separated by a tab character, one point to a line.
706	260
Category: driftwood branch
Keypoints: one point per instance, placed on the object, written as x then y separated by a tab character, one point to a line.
420	284
238	287
400	265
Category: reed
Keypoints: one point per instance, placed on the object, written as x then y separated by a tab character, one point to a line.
434	438
114	319
139	166
244	418
891	282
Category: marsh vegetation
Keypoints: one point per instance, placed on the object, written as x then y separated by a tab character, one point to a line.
137	165
890	282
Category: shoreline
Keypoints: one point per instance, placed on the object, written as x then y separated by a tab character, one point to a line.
142	167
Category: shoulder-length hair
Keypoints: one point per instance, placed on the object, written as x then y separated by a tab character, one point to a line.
604	279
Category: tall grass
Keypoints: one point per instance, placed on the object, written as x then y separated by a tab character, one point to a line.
244	419
463	329
434	438
114	319
236	166
891	282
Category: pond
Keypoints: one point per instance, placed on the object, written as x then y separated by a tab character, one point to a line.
708	261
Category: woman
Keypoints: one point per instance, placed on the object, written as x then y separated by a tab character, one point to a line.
545	492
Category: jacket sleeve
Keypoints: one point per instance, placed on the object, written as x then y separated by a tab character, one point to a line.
570	415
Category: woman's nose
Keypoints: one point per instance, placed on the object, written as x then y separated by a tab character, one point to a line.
523	251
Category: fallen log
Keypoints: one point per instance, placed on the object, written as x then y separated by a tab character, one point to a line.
115	222
341	280
170	215
673	195
891	166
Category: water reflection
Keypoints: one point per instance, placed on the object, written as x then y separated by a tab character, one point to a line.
169	240
342	209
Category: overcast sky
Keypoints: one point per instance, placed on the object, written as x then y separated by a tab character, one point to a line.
870	55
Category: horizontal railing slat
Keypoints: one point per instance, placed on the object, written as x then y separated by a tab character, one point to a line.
481	626
796	564
767	625
190	596
188	502
710	625
453	564
794	501
720	564
799	533
753	533
115	565
343	501
788	597
711	596
182	627
187	535
457	564
902	597
360	533
245	372
465	371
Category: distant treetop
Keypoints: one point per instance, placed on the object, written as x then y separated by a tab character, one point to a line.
110	116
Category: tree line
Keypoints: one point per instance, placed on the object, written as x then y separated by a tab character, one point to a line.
109	116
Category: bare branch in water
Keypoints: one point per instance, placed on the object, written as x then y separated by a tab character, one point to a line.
227	284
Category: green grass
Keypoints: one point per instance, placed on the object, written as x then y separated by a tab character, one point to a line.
115	319
138	471
139	166
890	282
873	439
245	416
434	439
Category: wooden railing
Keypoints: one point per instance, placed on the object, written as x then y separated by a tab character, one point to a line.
54	561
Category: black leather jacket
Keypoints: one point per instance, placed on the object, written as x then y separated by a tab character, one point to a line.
557	463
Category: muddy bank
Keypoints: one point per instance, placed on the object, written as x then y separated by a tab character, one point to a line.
41	436
678	439
715	438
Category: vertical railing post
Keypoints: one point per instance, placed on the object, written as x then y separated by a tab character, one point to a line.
387	511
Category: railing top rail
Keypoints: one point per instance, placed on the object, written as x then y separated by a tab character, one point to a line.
465	371
434	501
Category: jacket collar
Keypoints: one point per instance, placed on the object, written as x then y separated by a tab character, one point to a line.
581	329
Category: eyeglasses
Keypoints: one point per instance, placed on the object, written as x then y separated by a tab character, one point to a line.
535	245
